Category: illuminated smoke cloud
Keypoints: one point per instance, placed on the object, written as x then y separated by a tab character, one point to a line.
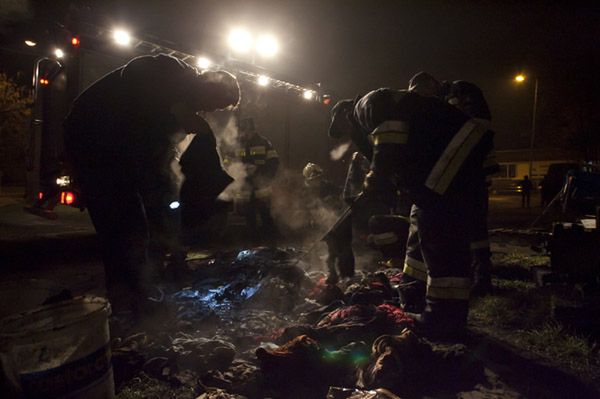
338	152
228	138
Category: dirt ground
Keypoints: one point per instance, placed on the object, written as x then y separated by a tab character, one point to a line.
63	254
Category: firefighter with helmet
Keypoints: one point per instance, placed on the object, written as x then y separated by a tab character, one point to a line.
319	187
320	197
433	152
386	231
260	162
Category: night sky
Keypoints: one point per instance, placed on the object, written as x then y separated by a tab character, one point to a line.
352	47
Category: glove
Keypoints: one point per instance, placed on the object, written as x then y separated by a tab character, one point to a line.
380	188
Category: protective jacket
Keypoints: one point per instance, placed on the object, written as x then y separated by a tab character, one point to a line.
260	159
422	145
120	137
123	123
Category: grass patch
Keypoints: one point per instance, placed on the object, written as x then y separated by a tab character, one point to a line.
521	314
551	341
515	304
508	259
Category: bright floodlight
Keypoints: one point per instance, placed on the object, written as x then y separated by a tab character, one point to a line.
263	80
30	43
520	78
121	37
308	94
58	53
267	46
203	63
174	205
240	40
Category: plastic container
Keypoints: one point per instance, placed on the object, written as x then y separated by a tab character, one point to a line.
20	296
58	351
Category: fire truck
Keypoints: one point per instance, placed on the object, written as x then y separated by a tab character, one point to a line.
294	116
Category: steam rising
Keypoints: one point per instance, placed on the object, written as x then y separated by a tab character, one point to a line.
13	10
228	138
338	152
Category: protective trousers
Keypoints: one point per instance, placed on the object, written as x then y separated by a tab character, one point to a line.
340	255
260	205
120	222
437	273
480	243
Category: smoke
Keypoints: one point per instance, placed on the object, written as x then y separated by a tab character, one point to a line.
300	211
338	152
14	10
227	136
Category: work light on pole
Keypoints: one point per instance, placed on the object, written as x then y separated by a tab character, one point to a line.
240	40
267	46
121	37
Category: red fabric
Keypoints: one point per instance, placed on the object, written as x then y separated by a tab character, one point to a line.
391	314
396	315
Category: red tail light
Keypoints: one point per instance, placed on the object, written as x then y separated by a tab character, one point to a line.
67	198
40	195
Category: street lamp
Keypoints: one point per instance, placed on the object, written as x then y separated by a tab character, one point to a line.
58	53
520	78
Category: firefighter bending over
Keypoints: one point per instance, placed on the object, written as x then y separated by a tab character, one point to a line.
120	137
434	152
260	162
365	215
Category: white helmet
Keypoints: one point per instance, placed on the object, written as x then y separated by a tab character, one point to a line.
312	171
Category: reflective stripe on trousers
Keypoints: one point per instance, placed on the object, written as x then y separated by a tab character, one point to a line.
441	239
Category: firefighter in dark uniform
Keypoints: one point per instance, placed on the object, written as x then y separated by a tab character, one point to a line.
468	98
367	216
433	152
318	188
260	163
120	138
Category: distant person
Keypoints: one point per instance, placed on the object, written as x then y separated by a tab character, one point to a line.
260	163
526	187
317	187
120	138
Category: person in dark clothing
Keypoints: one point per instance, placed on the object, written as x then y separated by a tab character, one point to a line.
469	98
204	180
526	187
340	260
318	188
433	152
120	138
260	162
319	198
